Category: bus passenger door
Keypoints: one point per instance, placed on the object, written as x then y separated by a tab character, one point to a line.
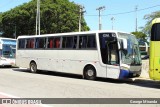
113	68
109	54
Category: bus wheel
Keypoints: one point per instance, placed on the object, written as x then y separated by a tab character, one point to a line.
33	67
90	73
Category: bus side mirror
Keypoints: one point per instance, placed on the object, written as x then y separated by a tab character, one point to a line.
123	44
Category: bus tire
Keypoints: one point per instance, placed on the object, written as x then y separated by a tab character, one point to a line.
33	67
89	73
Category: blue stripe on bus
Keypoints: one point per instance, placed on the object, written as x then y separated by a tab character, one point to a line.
123	74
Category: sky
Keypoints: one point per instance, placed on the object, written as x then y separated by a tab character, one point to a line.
121	22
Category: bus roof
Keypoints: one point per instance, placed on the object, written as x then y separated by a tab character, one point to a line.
71	33
2	38
156	20
8	41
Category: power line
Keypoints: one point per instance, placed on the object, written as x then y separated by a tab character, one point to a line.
127	12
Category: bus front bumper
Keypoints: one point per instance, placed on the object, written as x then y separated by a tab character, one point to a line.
129	74
7	62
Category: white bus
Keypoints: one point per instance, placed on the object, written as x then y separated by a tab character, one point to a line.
107	54
7	51
144	47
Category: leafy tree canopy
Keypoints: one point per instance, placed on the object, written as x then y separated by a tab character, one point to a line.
149	18
0	23
140	35
57	16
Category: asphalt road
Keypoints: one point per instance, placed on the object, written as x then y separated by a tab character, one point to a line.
20	83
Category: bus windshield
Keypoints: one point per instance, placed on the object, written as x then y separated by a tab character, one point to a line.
131	56
8	51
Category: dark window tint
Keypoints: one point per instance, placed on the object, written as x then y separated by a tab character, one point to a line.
87	41
109	48
57	42
40	43
155	32
30	43
21	43
53	42
91	42
64	42
69	42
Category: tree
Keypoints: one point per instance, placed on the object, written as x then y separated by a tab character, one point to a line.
140	35
1	24
57	16
149	18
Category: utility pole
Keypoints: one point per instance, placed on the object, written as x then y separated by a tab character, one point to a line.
136	18
81	12
100	9
38	18
112	19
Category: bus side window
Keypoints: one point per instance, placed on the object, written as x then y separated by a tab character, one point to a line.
28	43
50	43
57	42
40	42
69	42
21	43
91	43
87	41
82	42
37	43
32	43
64	39
75	42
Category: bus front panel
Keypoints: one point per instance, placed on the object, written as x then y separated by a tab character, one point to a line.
154	64
154	67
